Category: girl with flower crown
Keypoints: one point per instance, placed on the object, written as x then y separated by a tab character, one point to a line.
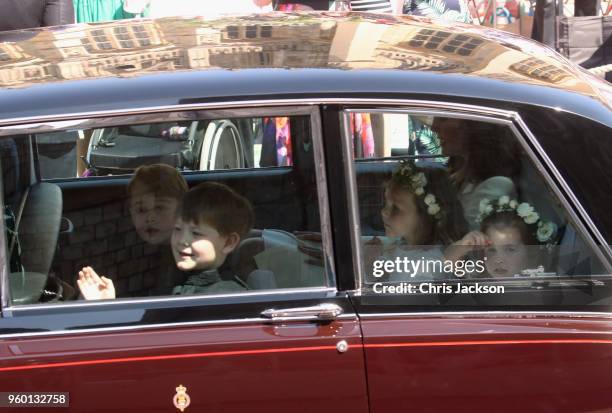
507	231
421	215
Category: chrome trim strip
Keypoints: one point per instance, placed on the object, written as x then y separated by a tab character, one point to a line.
322	194
255	320
198	300
572	197
489	314
5	292
144	116
352	199
4	130
441	110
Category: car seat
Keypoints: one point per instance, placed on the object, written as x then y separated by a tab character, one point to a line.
32	216
243	265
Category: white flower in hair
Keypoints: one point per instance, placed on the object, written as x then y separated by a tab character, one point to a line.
524	209
433	209
419	180
546	231
416	181
483	205
532	218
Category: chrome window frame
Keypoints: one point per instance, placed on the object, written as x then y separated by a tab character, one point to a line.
510	119
182	112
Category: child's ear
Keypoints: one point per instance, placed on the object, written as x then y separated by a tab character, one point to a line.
231	242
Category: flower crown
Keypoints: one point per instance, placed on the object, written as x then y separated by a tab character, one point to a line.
545	231
406	174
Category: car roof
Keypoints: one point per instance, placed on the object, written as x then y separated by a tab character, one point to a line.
125	64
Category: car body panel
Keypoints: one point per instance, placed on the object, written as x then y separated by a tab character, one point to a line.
134	359
507	362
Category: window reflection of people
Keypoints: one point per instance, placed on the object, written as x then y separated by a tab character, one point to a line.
483	161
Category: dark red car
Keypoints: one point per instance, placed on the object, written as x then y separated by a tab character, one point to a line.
378	153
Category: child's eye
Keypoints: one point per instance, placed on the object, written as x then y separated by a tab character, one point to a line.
198	234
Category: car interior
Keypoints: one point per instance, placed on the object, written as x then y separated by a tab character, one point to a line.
570	262
61	225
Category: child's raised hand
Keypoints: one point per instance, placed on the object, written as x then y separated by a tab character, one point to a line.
470	241
474	239
94	287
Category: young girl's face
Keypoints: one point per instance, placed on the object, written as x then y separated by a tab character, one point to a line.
153	216
507	254
401	216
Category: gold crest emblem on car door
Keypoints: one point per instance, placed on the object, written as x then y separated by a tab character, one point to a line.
181	399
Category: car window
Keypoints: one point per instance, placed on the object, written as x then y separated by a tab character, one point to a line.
455	211
195	210
565	136
189	145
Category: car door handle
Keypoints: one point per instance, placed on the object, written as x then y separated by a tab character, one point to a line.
317	312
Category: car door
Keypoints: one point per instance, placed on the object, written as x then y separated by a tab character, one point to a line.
472	334
290	341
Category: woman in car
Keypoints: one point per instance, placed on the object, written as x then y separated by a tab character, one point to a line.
483	162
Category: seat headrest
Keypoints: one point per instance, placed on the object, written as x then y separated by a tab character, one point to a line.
242	261
9	160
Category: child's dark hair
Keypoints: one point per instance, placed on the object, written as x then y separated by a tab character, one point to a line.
449	224
218	206
159	179
510	219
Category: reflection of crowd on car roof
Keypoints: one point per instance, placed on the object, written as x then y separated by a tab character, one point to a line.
30	13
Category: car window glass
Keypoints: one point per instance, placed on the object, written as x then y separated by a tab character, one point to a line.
191	145
454	211
163	229
562	137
